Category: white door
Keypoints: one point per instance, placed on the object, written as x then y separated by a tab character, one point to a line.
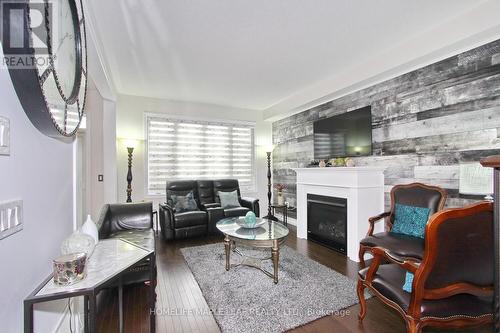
81	175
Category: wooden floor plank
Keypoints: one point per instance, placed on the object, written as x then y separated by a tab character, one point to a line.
165	300
164	323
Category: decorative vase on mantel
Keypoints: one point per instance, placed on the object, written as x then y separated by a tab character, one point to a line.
279	188
281	198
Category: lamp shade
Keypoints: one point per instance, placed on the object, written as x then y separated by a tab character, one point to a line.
130	143
475	179
269	148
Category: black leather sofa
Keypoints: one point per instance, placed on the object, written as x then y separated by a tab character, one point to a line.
176	225
132	222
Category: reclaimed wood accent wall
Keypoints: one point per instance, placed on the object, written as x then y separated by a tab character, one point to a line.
425	123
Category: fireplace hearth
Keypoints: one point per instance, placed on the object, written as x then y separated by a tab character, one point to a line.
327	221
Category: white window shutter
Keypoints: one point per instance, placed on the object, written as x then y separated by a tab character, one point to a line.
189	149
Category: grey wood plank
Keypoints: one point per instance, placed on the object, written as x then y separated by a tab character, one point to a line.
470	140
457	123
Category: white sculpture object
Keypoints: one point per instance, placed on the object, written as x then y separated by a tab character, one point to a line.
90	229
78	242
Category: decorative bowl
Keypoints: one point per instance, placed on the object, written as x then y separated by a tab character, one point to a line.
242	223
78	242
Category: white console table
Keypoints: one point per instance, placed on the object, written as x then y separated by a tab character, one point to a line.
111	258
363	187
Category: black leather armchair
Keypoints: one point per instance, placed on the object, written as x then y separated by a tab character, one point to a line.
132	222
247	204
176	225
396	245
216	213
453	283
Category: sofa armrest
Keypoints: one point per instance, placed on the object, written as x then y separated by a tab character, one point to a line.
124	216
215	214
210	205
103	223
252	204
167	218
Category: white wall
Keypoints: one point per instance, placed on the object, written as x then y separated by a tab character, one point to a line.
101	125
109	151
130	125
95	191
101	153
39	171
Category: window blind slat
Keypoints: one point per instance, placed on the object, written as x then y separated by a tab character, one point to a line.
183	149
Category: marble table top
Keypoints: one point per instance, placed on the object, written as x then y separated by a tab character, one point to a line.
110	257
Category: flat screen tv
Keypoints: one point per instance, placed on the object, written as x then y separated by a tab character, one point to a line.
345	135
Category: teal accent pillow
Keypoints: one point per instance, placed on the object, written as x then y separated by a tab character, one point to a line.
408	282
229	199
184	203
410	220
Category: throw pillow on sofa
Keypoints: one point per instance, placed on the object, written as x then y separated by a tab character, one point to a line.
184	203
229	199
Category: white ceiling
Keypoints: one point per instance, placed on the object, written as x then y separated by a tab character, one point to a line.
250	54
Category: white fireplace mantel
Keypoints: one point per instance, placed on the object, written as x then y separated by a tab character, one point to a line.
363	187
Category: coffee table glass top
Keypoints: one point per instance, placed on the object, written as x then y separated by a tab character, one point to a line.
268	231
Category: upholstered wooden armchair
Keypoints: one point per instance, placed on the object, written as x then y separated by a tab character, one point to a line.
400	245
453	285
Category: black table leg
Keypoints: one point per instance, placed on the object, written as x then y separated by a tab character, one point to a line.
92	314
120	304
152	293
86	313
28	317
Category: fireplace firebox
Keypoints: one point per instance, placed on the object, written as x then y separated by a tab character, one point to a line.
327	221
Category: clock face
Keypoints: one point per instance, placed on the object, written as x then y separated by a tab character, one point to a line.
53	90
65	49
65	85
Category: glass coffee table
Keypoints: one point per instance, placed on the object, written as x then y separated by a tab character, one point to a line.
269	235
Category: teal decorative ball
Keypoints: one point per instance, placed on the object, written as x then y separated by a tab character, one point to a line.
250	218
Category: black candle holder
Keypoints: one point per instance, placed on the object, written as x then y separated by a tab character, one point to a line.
130	151
270	215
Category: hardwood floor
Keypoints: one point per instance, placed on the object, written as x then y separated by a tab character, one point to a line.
181	307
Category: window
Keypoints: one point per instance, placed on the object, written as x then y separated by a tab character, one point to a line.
190	149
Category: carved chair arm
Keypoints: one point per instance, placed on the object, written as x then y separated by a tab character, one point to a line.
374	219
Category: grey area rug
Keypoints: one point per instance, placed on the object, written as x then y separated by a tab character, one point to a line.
244	299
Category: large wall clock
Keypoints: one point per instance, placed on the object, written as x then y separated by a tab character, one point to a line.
44	43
